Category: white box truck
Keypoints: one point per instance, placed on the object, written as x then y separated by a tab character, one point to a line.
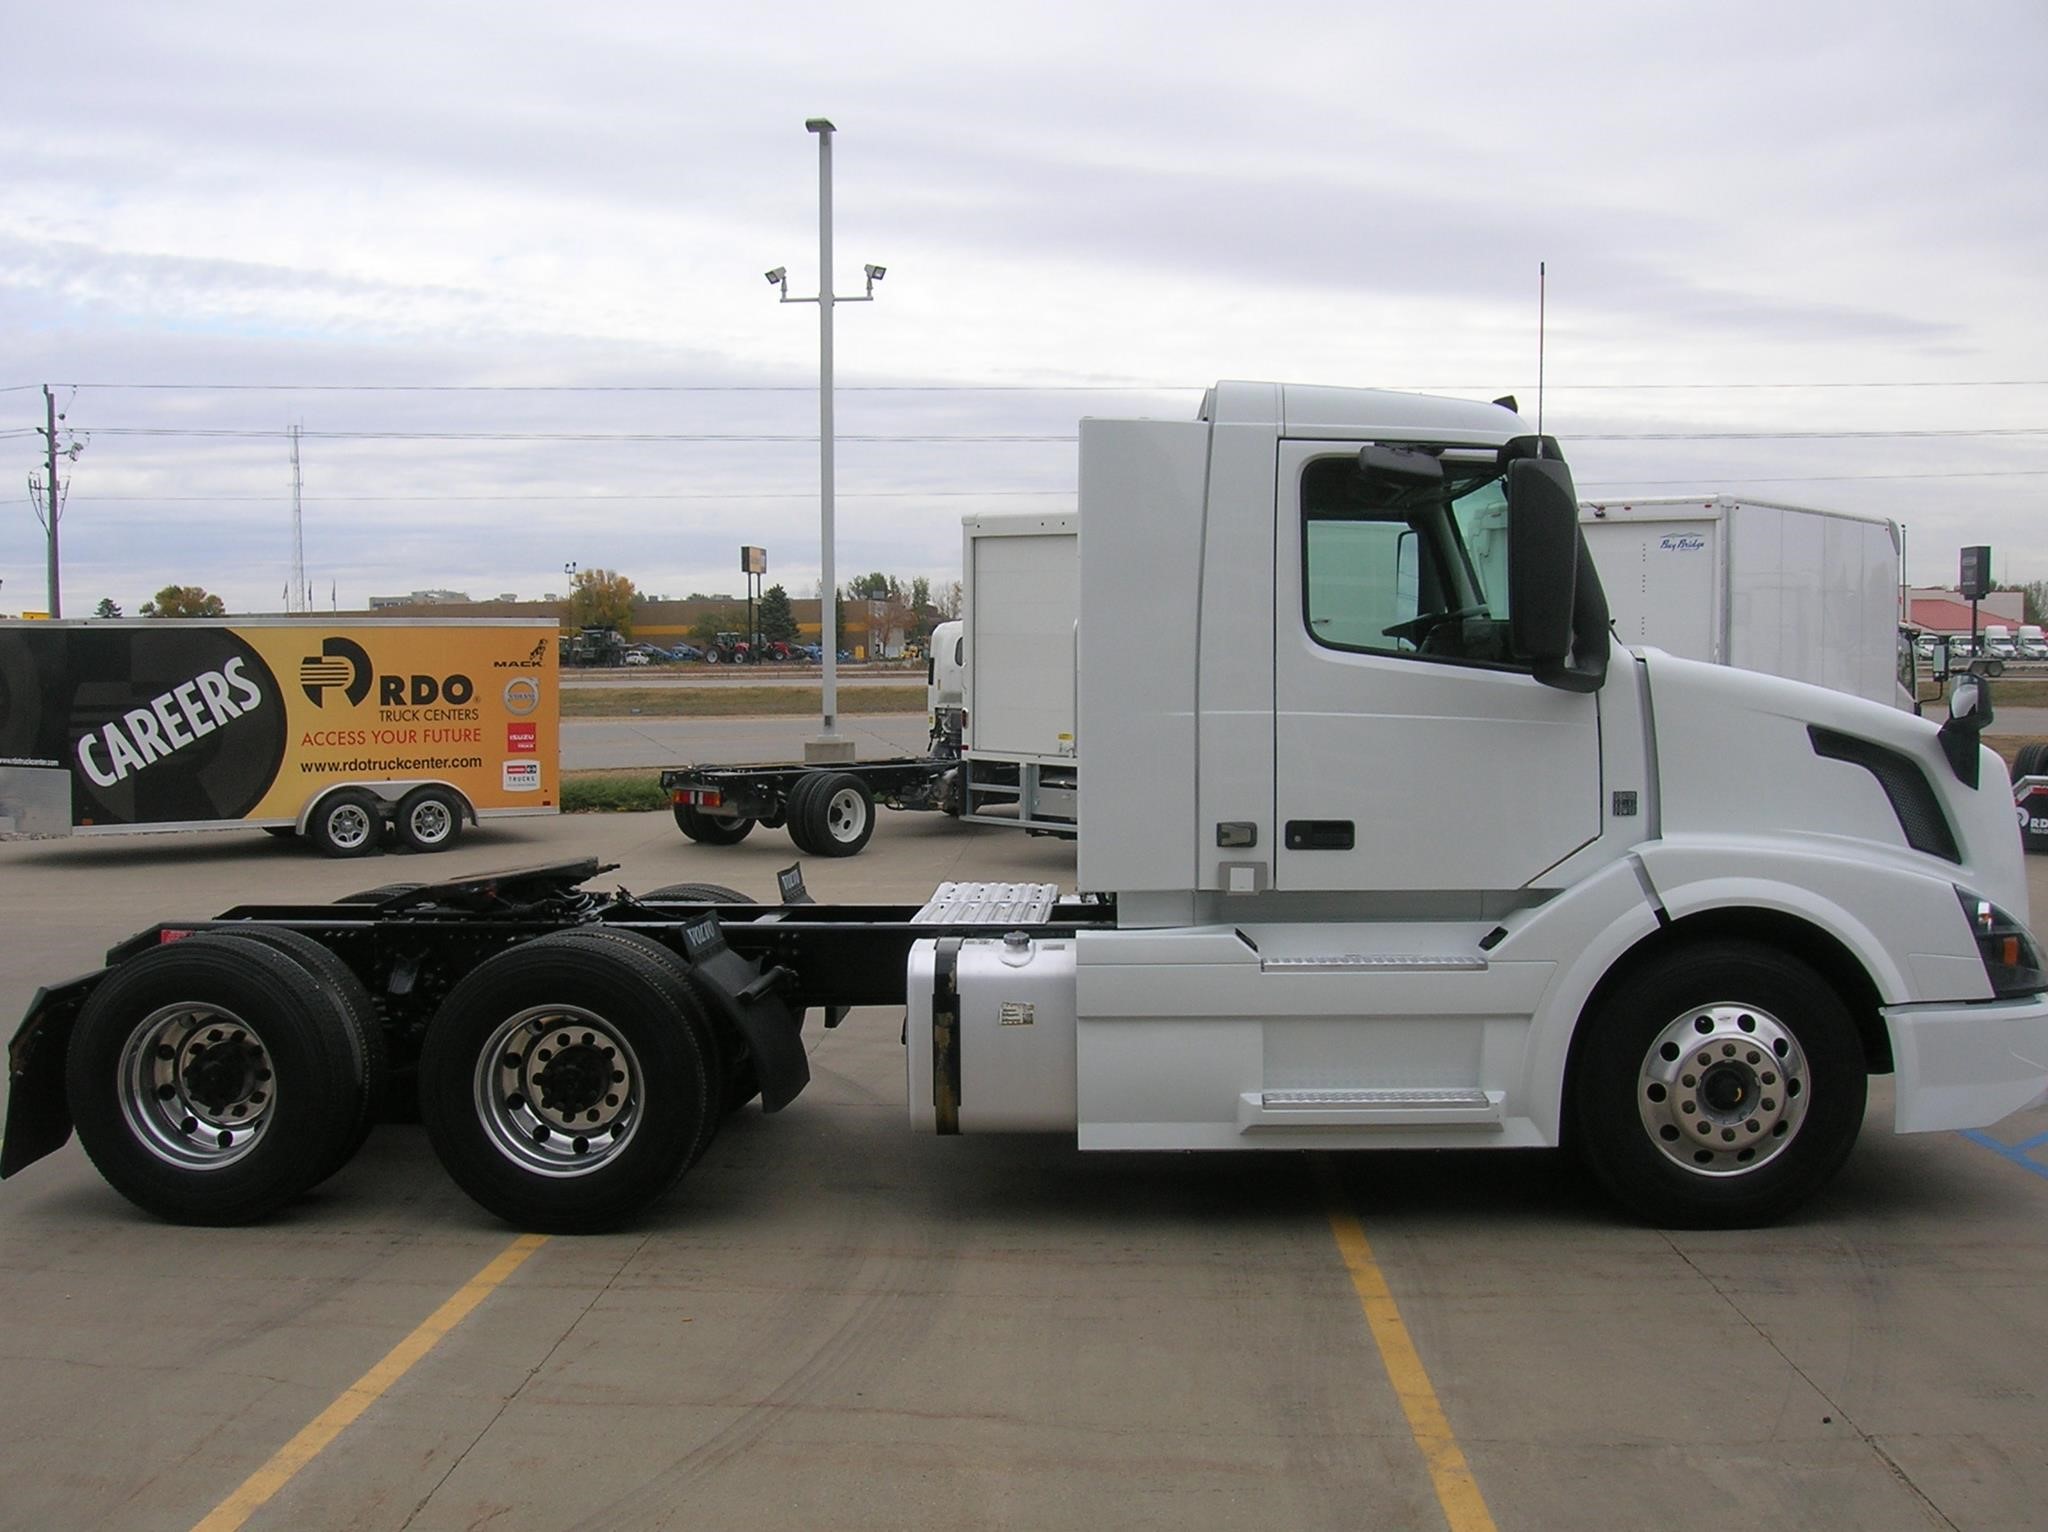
1387	847
1019	741
336	730
1806	594
1000	688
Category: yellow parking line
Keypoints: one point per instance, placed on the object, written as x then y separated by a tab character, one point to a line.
1457	1492
365	1391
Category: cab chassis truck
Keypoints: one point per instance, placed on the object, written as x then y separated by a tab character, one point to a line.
1394	848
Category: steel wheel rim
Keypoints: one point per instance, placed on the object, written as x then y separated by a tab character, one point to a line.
196	1085
846	815
558	1090
348	825
1723	1089
430	820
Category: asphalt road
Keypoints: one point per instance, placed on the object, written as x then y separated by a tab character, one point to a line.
834	1323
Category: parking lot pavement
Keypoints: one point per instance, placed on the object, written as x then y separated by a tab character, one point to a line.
832	1322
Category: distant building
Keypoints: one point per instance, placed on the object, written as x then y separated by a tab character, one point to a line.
1934	609
424	598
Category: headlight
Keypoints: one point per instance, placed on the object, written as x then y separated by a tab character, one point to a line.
2012	960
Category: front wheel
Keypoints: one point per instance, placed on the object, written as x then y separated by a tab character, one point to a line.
347	823
1719	1087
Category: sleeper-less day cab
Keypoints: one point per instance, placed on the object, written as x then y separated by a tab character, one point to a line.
1391	845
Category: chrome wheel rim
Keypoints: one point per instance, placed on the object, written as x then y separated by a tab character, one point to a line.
349	826
558	1090
197	1086
430	821
1723	1089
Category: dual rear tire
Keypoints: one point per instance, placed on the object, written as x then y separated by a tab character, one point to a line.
830	813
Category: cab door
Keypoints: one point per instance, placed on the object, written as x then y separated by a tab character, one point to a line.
1412	752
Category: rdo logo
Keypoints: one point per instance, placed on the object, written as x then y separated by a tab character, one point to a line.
343	664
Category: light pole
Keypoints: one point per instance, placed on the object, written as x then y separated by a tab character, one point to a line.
828	747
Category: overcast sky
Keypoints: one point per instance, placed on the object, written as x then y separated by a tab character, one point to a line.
1084	209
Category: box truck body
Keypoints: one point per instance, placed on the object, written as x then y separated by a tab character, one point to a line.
195	724
1022	590
1805	594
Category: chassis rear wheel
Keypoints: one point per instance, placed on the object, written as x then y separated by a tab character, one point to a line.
565	1083
1719	1087
711	829
837	813
212	1081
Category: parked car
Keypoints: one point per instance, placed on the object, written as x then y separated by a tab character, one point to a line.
637	657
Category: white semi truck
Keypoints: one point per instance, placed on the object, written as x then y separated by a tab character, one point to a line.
1787	590
1388	845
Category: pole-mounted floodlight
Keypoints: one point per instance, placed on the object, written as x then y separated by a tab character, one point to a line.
828	623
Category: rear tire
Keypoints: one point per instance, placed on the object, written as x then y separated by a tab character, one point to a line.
349	822
698	893
1718	1087
2031	761
838	815
740	1081
710	829
212	1082
429	819
795	815
564	1083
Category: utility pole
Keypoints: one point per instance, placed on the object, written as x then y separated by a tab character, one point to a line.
52	493
302	593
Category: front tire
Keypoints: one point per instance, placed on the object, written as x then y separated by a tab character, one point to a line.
1718	1087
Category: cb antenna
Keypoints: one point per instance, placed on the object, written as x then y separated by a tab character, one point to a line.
1542	282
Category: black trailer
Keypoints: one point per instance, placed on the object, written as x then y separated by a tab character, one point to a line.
572	1053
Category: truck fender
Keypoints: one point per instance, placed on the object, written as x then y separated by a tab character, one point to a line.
38	1111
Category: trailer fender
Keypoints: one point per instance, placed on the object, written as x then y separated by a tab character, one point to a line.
38	1112
753	1003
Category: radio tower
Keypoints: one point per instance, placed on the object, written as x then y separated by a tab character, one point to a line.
301	597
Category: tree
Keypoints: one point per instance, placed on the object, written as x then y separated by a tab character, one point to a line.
951	600
774	615
870	587
599	599
920	594
705	630
108	607
184	601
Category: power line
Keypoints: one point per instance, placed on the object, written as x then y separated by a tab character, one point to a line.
995	388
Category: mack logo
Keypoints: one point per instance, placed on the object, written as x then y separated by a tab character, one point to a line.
531	662
340	663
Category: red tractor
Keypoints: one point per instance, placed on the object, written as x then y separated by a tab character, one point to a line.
728	649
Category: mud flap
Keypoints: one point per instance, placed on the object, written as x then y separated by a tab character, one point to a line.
38	1115
753	1002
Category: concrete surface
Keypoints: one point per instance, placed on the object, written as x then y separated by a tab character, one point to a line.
658	742
832	1323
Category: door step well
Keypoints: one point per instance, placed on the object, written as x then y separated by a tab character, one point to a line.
1371	1107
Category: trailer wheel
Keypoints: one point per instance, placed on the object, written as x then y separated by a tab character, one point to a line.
429	819
349	822
1719	1087
838	815
564	1083
711	829
2031	761
212	1083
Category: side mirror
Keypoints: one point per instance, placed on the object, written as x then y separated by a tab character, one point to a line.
1969	715
1543	558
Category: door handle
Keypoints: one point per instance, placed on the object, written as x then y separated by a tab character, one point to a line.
1321	835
